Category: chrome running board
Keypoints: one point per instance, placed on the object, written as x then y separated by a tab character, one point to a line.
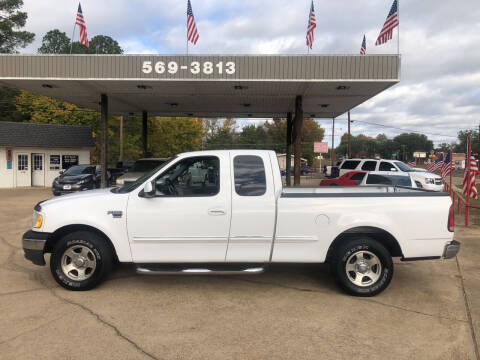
199	271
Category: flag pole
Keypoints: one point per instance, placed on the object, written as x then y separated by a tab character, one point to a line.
451	170
467	195
398	27
73	34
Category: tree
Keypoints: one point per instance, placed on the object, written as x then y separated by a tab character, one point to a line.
462	137
11	21
444	147
276	136
102	44
8	108
413	142
172	135
276	131
219	134
55	42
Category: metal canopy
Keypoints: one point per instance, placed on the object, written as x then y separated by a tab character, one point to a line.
205	85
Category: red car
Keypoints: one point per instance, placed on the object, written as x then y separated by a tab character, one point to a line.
351	178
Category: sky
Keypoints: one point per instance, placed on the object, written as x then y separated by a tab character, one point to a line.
439	91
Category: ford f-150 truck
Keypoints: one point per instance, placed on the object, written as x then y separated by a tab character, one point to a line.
237	221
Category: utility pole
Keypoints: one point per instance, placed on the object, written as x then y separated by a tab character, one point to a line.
349	150
120	156
403	155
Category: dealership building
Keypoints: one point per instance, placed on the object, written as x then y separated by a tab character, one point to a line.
34	154
245	86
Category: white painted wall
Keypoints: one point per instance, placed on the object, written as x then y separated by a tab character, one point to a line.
8	177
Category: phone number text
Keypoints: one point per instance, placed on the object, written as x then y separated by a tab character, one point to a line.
195	67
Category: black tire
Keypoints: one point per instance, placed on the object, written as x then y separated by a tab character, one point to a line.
99	251
347	251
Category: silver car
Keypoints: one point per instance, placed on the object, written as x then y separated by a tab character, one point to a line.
140	167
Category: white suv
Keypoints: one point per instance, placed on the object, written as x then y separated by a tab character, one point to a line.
428	180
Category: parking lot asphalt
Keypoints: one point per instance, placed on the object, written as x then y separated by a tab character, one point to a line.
430	311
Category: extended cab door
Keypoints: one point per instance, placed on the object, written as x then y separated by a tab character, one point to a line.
189	218
253	207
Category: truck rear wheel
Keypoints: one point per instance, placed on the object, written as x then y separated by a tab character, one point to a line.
362	266
81	260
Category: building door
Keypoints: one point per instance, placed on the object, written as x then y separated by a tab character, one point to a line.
22	171
38	170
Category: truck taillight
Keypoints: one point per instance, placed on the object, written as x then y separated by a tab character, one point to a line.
451	219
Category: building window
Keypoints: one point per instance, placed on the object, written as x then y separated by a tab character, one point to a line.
22	162
249	174
54	162
69	160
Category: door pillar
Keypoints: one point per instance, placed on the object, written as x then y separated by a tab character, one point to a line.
288	155
297	138
104	139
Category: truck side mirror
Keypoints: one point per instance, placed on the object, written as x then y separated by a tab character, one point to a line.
148	190
393	169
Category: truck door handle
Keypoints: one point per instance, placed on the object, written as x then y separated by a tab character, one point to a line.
216	212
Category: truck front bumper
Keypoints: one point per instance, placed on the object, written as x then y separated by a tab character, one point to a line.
451	249
34	246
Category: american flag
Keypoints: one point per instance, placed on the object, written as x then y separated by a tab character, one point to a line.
437	164
312	24
390	24
192	33
448	166
80	21
363	49
469	182
413	162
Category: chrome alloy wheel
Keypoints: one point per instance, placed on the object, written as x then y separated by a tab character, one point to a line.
78	262
363	268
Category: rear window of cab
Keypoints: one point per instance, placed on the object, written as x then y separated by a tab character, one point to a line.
350	164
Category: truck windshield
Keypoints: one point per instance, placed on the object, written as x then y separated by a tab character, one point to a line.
132	186
402	166
146	165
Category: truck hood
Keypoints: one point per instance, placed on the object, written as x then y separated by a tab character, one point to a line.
70	199
423	175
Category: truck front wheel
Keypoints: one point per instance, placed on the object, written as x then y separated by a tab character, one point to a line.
81	260
362	266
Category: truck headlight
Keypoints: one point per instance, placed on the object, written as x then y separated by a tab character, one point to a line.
37	220
429	181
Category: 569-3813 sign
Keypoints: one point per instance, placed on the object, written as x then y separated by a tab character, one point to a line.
195	67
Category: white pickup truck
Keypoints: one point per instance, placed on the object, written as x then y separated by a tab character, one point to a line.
238	221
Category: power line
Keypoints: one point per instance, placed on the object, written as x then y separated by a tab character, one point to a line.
398	128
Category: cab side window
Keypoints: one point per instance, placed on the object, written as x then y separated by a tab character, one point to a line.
385	166
194	177
369	165
249	174
350	164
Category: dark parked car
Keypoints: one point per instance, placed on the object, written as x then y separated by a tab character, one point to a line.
303	171
78	178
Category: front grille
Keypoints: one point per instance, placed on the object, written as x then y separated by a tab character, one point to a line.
438	181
